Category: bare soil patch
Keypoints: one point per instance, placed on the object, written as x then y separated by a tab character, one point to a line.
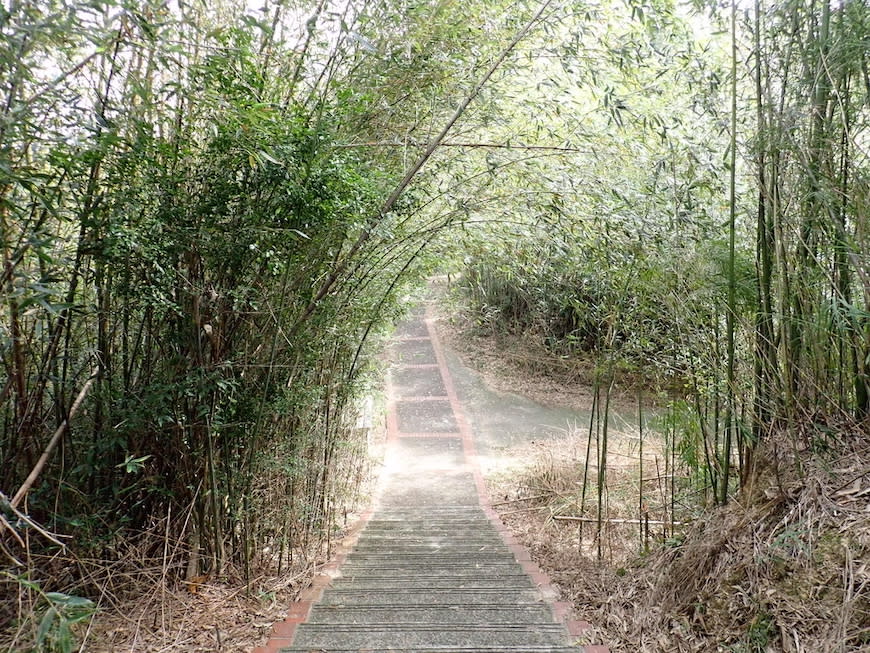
523	365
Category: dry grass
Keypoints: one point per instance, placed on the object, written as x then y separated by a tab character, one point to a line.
212	616
548	479
143	604
787	570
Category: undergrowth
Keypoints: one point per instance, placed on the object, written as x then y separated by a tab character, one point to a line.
135	593
783	568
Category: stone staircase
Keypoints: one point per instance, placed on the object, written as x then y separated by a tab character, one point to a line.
431	579
433	568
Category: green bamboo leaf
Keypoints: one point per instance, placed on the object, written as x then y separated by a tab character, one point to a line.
45	625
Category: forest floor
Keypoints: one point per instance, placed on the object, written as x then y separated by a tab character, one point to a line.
223	614
784	568
218	614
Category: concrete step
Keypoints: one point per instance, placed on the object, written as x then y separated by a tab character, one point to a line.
428	636
426	516
452	614
438	534
445	522
434	545
421	562
456	531
430	555
387	509
451	570
406	509
439	649
458	575
428	494
374	597
414	552
391	511
451	522
426	583
414	573
404	526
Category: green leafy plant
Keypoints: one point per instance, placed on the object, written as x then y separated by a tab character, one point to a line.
55	616
133	464
55	633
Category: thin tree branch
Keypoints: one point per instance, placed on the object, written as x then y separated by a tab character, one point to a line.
501	146
53	537
400	188
593	520
43	459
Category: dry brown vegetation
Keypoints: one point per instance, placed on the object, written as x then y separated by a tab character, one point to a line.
784	568
146	605
215	615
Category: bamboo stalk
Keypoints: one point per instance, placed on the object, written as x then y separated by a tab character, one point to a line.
52	443
602	457
592	422
640	510
732	271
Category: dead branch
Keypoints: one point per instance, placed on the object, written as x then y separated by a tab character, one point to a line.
534	498
594	520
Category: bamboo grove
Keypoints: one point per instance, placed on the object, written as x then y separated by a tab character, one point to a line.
800	124
707	226
809	155
208	210
195	256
